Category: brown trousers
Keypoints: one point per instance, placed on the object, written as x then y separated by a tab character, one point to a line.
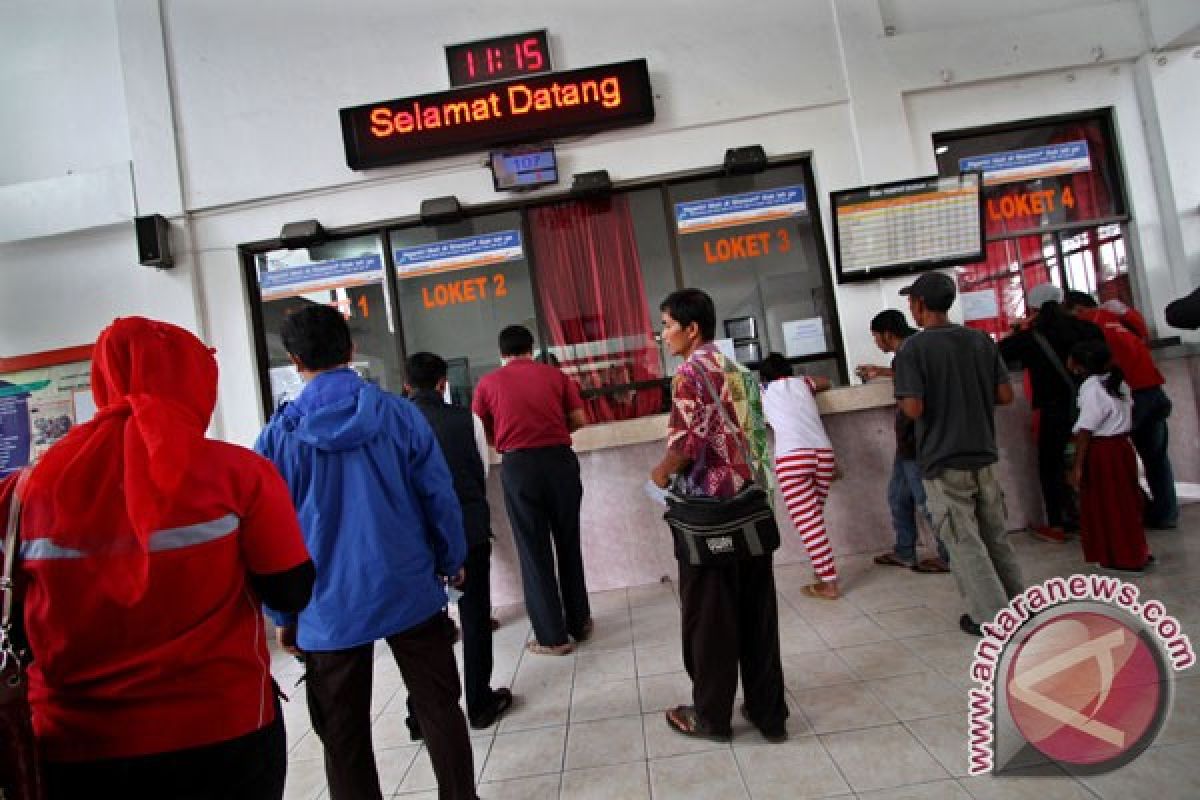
339	701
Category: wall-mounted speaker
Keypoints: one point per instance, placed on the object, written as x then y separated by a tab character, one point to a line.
441	210
591	184
153	241
745	160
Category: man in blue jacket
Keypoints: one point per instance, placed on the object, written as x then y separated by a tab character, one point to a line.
380	517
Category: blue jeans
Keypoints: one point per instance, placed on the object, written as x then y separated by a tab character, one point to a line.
1151	407
906	496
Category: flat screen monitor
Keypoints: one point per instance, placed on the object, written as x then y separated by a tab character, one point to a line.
524	168
907	226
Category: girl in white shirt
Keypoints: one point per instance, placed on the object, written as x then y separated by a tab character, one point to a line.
804	462
1105	467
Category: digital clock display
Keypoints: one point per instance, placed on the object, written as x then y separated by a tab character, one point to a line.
498	59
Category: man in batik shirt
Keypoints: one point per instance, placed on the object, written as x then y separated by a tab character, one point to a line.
730	616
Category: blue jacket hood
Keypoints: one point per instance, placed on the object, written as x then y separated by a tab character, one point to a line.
337	411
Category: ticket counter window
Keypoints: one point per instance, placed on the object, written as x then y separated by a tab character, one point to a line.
1054	210
347	274
458	285
602	268
752	243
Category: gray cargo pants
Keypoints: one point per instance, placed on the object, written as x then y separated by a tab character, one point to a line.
967	508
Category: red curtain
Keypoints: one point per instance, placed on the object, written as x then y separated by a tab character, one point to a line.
589	280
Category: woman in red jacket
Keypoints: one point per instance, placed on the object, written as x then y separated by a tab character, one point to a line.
145	550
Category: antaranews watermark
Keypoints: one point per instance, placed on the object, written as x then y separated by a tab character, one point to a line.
1088	682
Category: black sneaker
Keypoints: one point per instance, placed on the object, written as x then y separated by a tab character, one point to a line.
968	625
414	729
502	700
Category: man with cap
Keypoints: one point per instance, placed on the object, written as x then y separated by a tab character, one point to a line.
906	495
1041	342
949	379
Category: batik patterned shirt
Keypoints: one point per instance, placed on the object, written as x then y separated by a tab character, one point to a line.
697	430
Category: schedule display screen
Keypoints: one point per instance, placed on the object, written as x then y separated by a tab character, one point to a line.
495	59
517	110
907	226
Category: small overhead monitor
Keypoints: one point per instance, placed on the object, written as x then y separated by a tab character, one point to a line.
524	168
740	328
907	226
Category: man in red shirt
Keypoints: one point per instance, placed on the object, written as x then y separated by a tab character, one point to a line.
1124	334
529	411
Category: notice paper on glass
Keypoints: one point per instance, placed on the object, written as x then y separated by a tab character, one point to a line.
804	337
979	305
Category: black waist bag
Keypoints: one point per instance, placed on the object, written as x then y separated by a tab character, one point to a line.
713	532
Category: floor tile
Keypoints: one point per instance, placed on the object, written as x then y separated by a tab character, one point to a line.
517	755
938	790
420	777
701	776
844	707
605	743
660	692
881	660
925	694
881	758
591	701
849	632
605	665
621	782
811	670
789	771
659	659
541	787
1036	783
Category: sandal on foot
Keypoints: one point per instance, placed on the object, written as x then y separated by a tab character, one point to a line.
539	649
931	566
890	560
686	721
815	590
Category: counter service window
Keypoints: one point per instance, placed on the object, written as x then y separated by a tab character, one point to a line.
458	285
1054	212
347	274
754	244
590	257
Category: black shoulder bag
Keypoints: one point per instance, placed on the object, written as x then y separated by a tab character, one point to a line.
713	531
20	769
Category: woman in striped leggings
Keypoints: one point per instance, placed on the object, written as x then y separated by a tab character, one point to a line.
804	462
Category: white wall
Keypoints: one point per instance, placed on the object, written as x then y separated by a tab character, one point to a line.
228	112
1175	78
60	77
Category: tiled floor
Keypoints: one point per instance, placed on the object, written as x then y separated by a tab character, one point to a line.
877	687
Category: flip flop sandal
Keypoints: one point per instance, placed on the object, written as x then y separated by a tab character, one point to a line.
889	560
930	566
811	590
539	649
685	721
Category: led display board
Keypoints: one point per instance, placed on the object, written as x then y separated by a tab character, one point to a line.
495	59
907	226
475	118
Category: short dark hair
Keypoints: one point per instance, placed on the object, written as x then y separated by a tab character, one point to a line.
318	337
774	367
425	370
692	305
893	322
1077	299
515	340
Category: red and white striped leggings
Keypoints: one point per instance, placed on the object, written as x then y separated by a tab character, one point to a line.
805	477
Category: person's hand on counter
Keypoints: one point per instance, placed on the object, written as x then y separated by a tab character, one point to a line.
869	372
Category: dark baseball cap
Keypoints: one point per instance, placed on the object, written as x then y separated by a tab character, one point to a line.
935	288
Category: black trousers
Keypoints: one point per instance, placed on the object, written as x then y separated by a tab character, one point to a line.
731	620
1054	431
339	702
250	767
542	493
475	613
